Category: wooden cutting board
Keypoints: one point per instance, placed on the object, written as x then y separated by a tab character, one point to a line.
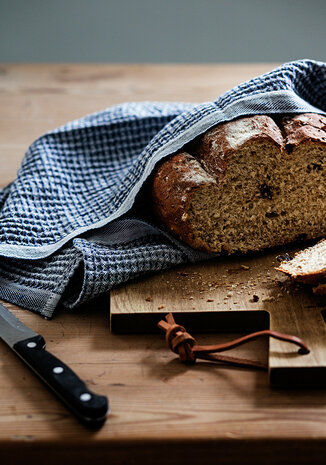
239	294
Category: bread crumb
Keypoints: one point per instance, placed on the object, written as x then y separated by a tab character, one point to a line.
210	300
160	307
149	299
245	267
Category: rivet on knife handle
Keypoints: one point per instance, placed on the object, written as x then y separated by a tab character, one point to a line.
86	405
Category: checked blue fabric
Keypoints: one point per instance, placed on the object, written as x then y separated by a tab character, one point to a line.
76	220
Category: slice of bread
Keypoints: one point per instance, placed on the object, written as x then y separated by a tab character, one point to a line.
308	266
247	185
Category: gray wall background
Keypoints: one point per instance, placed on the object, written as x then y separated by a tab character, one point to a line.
162	31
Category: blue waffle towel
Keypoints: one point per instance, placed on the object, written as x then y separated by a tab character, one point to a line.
74	222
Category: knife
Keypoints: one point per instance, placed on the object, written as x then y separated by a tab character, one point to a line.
88	407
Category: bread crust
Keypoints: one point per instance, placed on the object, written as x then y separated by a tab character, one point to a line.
174	183
320	289
216	144
306	278
304	128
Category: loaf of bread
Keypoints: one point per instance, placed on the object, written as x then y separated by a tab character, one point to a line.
248	184
308	266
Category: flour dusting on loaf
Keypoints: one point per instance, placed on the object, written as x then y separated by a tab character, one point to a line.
195	173
241	131
247	185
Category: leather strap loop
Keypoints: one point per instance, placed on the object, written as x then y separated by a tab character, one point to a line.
178	340
183	344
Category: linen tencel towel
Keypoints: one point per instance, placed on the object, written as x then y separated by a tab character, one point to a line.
76	220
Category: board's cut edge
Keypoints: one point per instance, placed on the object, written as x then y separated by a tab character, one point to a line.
297	377
209	321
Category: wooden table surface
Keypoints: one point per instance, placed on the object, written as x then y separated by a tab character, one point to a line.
161	411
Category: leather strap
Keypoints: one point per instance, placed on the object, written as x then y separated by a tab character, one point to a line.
183	344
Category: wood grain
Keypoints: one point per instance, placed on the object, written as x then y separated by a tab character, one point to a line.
162	411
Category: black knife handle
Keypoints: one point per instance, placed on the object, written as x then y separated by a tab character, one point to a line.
86	405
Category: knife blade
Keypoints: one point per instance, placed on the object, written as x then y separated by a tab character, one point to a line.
87	406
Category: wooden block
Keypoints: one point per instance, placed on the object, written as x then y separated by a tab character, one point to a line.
238	294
